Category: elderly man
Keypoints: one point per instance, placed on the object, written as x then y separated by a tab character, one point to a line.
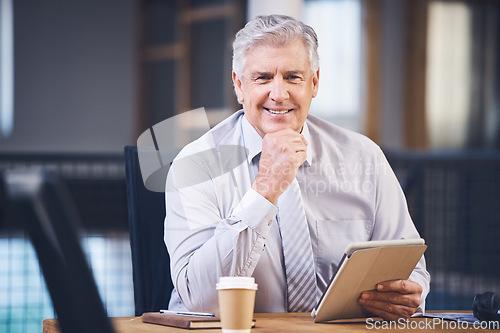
301	189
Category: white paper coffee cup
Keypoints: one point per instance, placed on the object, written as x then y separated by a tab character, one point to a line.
236	303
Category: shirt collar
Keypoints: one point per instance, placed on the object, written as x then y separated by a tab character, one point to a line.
309	149
253	141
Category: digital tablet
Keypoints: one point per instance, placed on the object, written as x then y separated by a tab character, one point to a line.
363	266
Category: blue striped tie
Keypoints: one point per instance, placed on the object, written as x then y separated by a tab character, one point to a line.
297	250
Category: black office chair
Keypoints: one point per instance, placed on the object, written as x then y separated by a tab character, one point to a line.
150	260
44	206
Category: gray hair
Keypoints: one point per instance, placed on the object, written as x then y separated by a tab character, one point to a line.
274	30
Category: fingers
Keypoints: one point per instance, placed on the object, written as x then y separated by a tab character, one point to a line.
282	154
392	299
409	300
401	286
389	311
285	140
283	151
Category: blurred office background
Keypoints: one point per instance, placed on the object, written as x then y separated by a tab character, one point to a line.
81	79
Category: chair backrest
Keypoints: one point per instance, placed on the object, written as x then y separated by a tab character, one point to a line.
44	206
150	260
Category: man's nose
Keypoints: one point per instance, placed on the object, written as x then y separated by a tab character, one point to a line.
279	91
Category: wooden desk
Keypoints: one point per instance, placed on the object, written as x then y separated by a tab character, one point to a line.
270	323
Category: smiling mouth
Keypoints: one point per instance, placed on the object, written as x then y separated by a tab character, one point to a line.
278	111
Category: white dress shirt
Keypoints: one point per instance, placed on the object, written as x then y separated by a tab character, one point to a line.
216	225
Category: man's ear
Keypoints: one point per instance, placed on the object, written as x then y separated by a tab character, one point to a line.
315	81
237	87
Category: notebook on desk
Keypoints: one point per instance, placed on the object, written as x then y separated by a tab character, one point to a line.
363	266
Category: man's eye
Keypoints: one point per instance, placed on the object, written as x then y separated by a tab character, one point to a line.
294	77
263	78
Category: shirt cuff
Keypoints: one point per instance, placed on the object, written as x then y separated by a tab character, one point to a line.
415	277
255	211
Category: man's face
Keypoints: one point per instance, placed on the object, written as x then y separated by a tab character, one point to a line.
277	87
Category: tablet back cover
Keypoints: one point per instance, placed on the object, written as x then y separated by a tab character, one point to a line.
362	271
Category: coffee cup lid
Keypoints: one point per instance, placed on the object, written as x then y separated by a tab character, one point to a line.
236	282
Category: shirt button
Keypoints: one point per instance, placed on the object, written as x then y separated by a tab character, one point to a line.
269	223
